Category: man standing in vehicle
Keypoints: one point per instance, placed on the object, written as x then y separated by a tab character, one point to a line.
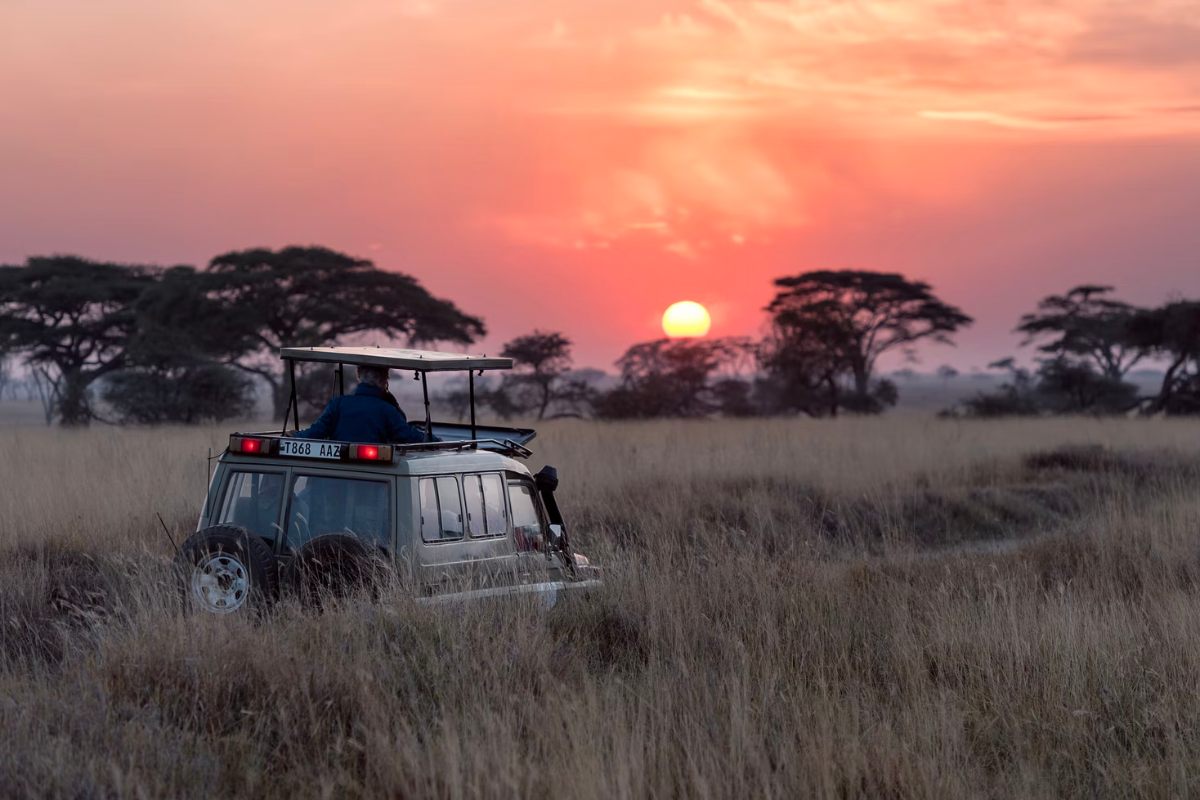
364	416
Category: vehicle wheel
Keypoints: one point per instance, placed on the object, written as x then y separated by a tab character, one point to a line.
335	565
226	568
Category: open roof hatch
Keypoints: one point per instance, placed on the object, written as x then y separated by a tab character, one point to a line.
420	361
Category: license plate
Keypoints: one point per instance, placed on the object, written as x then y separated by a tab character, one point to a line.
303	448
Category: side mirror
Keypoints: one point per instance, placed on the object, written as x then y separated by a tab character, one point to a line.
560	545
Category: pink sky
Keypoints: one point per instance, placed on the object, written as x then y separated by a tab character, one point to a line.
580	166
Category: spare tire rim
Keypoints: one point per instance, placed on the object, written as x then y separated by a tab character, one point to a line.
221	582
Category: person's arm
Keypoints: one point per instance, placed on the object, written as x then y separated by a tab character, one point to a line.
323	427
401	432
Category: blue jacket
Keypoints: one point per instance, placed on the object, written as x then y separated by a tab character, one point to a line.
362	417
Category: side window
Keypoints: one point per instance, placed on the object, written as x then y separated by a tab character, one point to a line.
493	504
452	516
473	492
441	510
527	526
485	505
431	528
338	505
252	501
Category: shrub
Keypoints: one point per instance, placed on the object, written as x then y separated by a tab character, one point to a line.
190	395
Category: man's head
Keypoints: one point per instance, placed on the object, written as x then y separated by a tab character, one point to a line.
374	376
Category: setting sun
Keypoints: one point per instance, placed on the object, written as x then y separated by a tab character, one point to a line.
686	319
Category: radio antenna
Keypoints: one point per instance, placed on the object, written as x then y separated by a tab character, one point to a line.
170	538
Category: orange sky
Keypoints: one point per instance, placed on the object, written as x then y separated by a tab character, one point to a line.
581	165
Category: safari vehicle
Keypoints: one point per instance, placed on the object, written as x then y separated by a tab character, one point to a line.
454	519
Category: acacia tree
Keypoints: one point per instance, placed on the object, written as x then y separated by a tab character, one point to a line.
1173	332
175	370
853	318
72	319
803	366
541	362
313	296
671	378
1085	324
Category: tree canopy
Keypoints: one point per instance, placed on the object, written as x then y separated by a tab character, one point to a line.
1085	323
826	324
541	362
72	318
672	378
1172	332
863	315
311	296
163	334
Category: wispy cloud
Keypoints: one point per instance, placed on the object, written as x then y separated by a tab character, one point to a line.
710	92
867	62
659	122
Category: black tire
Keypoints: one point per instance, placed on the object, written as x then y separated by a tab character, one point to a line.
226	568
335	565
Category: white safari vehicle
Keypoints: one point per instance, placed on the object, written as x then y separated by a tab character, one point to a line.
454	519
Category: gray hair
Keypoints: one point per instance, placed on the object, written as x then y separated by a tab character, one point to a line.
373	376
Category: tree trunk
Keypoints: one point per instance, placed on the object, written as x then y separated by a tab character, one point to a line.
73	409
45	388
862	378
1164	393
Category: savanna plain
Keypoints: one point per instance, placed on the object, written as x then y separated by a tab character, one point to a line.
894	607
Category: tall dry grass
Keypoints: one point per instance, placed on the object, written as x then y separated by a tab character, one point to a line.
854	608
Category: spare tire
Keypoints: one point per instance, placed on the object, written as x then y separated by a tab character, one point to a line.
226	568
335	565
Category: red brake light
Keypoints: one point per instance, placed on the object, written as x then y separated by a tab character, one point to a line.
371	452
239	445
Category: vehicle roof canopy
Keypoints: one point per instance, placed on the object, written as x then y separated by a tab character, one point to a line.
396	358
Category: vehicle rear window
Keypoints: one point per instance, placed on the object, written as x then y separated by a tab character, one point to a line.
252	501
527	525
486	515
441	510
322	504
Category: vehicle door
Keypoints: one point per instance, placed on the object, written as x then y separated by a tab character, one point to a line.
465	539
252	498
531	529
322	501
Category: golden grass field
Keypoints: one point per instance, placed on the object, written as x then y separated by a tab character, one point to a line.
896	607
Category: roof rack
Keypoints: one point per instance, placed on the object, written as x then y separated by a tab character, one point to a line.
507	446
421	362
264	446
396	358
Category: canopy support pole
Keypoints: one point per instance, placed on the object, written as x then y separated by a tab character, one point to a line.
293	402
287	412
341	376
428	419
471	385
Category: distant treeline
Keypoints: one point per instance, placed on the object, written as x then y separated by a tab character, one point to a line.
1088	342
181	344
144	344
